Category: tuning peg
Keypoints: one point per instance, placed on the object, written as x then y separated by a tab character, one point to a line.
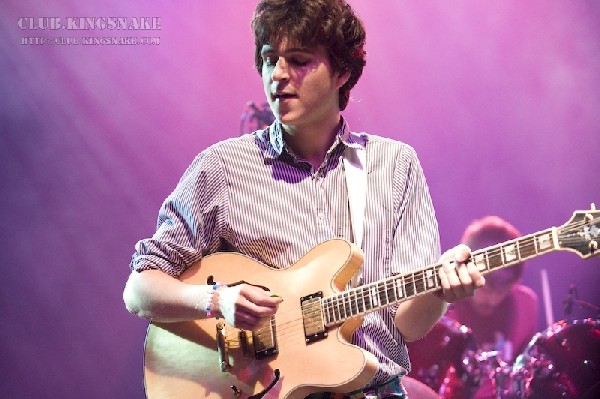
593	246
593	206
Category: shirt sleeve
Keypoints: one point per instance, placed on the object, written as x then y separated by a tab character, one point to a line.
415	242
190	220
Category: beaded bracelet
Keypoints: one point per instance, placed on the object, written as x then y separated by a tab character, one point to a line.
209	297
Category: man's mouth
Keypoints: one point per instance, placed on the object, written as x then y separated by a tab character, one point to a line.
282	96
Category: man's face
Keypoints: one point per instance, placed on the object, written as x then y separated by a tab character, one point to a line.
487	298
299	83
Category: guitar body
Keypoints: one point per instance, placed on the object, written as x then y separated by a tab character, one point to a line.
183	360
306	347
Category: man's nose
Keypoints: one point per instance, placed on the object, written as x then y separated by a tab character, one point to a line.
280	70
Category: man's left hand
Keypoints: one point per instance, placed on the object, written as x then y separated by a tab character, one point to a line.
459	275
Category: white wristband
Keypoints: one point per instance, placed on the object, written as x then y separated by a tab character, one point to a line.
205	301
227	299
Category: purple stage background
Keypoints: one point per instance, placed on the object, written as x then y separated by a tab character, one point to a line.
500	99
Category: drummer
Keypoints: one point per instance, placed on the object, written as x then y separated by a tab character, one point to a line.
503	315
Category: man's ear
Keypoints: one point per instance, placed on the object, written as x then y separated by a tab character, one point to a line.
342	79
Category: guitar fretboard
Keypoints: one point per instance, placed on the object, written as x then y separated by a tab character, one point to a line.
395	289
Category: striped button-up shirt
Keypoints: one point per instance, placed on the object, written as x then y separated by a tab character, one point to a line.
253	195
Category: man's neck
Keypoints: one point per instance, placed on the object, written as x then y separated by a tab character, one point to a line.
311	143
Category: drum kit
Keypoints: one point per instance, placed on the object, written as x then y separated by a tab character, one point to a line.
563	361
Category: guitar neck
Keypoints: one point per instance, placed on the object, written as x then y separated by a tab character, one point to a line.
399	288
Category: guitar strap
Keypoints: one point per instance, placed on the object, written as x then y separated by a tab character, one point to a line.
355	169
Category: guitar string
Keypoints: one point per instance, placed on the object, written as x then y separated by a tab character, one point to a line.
333	306
337	310
526	245
330	307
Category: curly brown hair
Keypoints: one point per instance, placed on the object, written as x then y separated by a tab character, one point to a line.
493	230
329	23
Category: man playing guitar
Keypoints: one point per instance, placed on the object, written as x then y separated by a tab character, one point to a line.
275	194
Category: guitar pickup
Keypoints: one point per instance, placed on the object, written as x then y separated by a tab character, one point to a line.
264	340
312	317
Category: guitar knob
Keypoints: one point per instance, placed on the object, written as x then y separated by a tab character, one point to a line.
593	246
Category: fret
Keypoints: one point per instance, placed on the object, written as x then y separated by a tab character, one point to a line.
347	304
414	284
336	308
340	305
355	306
351	303
409	286
374	296
480	261
510	253
430	276
528	249
419	282
388	298
544	241
391	292
381	294
360	302
399	285
517	244
367	298
332	306
328	310
494	258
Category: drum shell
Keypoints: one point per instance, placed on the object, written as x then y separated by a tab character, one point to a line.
562	362
444	360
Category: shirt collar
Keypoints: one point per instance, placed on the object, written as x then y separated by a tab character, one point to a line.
273	135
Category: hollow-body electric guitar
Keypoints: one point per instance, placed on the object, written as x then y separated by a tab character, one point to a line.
305	347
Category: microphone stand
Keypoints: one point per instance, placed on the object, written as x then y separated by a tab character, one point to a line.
573	299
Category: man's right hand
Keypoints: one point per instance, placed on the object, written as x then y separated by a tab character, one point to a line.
244	306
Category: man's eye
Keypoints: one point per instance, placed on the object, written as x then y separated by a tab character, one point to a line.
270	60
299	61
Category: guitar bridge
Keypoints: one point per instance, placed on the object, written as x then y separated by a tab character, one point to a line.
312	317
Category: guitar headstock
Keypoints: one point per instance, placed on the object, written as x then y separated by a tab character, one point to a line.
581	233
